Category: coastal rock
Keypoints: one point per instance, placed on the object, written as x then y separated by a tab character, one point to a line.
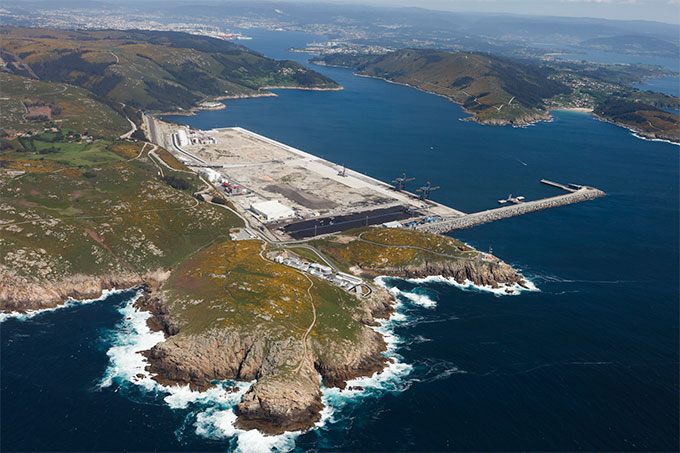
214	355
478	272
281	402
19	293
338	363
380	305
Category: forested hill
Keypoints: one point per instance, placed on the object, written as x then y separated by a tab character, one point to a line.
496	90
151	70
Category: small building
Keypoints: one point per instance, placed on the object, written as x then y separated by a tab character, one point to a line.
393	224
182	137
272	210
212	175
322	268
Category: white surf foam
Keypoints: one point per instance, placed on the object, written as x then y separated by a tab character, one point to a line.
637	135
22	316
390	379
217	423
502	290
417	298
215	417
132	337
213	409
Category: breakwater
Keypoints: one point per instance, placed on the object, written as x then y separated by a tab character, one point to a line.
469	220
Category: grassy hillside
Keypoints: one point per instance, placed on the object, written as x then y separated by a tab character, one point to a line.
377	248
95	209
156	71
502	91
648	120
30	105
493	89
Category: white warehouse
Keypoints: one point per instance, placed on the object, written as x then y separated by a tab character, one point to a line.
183	138
272	210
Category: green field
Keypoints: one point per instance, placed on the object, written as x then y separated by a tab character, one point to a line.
78	109
376	248
149	70
91	209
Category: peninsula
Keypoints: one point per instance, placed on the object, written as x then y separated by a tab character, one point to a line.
249	274
151	70
502	91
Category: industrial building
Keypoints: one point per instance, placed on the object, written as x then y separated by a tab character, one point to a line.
182	137
272	210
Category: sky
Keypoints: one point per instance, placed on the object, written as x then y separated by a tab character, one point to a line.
657	10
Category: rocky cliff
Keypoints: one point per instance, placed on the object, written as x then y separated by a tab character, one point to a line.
481	273
21	293
286	395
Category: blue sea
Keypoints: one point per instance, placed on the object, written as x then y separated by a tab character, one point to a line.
587	363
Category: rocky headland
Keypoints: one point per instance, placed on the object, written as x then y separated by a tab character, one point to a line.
286	394
21	293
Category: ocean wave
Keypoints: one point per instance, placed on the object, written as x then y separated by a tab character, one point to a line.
133	335
390	379
28	314
555	279
212	409
635	134
210	413
436	370
502	290
415	296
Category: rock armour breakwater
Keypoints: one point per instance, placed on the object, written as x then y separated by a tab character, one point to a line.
470	220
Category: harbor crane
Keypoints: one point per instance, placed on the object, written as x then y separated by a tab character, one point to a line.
400	183
425	191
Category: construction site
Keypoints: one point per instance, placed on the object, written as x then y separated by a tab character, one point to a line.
293	194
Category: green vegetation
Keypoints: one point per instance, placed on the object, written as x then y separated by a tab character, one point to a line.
503	91
493	89
68	107
150	70
377	248
643	117
96	209
230	284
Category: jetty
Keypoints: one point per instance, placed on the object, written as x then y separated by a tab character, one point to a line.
568	188
293	195
574	195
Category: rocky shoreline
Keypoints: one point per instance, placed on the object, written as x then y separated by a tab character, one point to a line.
286	395
278	401
282	401
480	273
519	122
645	135
20	294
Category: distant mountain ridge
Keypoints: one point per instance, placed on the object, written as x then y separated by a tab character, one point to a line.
150	70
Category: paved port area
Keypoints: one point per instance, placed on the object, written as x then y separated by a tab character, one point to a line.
316	189
324	197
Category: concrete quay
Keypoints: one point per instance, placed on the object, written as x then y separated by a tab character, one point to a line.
470	220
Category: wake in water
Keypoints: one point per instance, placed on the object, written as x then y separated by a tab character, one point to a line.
28	314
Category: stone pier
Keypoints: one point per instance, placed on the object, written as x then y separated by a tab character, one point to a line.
469	220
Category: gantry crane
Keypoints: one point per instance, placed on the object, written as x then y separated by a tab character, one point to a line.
425	191
400	183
